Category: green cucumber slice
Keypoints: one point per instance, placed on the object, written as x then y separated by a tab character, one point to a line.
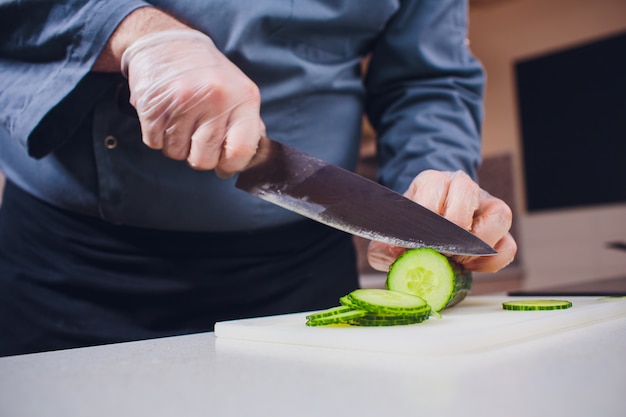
337	318
346	302
397	322
530	305
328	312
372	319
374	307
426	273
387	302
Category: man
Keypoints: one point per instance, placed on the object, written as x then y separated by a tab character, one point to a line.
121	226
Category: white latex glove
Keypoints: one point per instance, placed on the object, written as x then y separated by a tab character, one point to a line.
192	102
458	198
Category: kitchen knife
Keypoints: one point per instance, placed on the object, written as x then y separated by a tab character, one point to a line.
350	202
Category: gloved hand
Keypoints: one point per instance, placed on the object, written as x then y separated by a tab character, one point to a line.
458	198
192	102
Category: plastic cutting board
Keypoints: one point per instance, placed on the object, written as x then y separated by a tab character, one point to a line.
478	323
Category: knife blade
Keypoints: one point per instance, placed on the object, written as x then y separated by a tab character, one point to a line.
350	202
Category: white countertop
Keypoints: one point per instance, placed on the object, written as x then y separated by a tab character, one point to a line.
575	372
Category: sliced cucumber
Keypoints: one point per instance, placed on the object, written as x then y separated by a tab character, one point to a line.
346	302
373	307
372	319
344	317
329	312
426	273
529	305
388	302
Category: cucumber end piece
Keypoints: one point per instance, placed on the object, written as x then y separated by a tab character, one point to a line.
428	274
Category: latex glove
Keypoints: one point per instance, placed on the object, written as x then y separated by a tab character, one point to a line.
457	197
192	102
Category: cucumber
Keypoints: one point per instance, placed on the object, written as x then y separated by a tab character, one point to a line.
389	320
329	312
388	302
373	307
530	305
426	273
343	317
346	302
420	283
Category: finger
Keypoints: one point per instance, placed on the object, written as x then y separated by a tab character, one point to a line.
153	115
185	111
492	223
506	248
429	189
462	200
167	112
177	139
206	144
208	139
493	219
241	144
381	255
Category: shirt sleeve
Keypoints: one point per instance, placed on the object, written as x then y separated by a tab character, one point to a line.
47	49
424	93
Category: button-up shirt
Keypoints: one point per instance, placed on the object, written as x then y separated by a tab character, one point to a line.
66	138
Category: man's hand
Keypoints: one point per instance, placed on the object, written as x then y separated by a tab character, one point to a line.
193	103
455	196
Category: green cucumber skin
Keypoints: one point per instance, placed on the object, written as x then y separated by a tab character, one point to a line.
542	305
373	319
462	279
328	312
346	302
337	318
463	283
380	323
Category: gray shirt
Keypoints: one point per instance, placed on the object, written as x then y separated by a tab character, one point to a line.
66	138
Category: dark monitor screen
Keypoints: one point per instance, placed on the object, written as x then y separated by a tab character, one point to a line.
572	108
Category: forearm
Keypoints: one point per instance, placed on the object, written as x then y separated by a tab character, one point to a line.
140	22
424	93
47	49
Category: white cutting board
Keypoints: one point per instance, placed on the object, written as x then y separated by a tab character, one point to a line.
478	323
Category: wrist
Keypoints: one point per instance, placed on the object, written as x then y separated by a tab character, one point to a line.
139	23
156	40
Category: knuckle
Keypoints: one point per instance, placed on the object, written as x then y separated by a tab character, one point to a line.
424	178
504	214
216	95
430	174
200	165
510	246
150	142
253	92
182	88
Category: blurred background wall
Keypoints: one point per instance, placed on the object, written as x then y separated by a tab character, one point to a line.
559	246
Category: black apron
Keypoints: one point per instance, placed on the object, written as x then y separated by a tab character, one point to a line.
68	280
